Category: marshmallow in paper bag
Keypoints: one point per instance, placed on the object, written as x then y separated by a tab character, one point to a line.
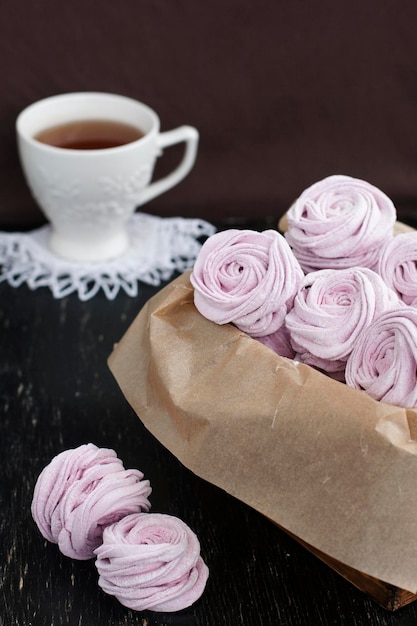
398	266
340	222
330	310
247	278
383	361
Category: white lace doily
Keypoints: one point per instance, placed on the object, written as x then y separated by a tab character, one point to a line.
159	247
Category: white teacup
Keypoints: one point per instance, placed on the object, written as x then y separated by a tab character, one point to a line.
89	194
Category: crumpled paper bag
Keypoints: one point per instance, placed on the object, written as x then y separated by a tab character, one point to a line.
325	462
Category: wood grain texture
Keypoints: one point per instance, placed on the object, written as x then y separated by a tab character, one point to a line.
56	392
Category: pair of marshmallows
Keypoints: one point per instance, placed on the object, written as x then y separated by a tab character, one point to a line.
91	506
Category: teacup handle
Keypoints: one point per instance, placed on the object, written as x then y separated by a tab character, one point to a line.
187	134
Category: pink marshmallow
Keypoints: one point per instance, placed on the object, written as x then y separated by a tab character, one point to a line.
151	561
383	362
340	222
246	278
398	266
80	492
330	310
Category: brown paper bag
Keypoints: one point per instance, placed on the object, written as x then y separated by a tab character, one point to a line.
326	463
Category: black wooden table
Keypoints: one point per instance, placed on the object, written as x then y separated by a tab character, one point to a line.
57	393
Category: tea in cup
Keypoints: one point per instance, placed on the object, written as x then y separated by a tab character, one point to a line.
88	159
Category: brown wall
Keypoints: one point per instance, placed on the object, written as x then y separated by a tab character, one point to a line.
283	92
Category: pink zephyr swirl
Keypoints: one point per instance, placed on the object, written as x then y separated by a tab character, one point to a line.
398	266
80	492
383	362
340	222
151	561
247	278
330	310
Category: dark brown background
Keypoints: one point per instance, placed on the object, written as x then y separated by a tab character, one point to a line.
283	93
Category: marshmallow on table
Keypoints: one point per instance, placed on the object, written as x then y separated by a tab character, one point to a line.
330	310
383	361
398	266
80	492
340	222
246	278
151	561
